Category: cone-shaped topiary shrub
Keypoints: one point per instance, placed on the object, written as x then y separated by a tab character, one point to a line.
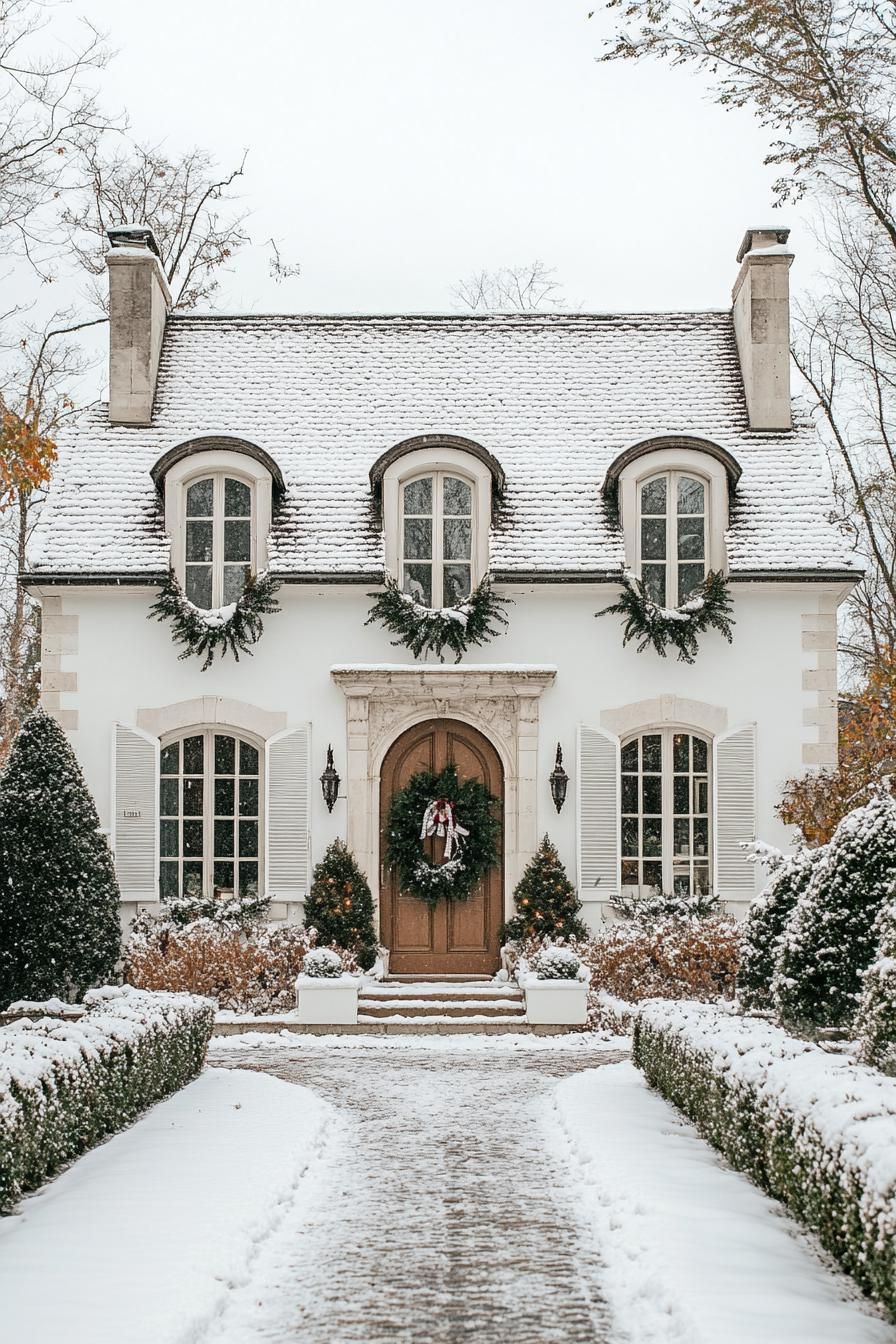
876	1022
59	911
765	923
340	906
545	900
830	938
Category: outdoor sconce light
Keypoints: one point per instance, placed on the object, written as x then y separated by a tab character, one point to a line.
329	782
559	780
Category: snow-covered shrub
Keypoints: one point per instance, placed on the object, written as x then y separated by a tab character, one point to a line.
557	963
669	958
546	902
810	1128
252	971
59	900
661	905
241	911
340	905
64	1086
876	1021
765	923
830	940
322	963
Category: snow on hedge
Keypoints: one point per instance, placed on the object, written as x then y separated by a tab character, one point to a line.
66	1085
814	1130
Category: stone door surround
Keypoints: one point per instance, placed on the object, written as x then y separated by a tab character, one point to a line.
382	700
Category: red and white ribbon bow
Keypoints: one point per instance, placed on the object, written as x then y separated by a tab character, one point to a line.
440	819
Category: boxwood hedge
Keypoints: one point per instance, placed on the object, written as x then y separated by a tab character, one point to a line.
66	1085
812	1129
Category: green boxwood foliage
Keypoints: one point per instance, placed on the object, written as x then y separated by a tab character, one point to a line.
340	906
59	899
765	923
811	1129
546	901
876	1022
830	939
64	1086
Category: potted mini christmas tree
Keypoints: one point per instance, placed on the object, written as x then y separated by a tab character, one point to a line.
340	909
60	931
548	908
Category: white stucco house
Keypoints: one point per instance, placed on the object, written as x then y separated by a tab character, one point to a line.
547	450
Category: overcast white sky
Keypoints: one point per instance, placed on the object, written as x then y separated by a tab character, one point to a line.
398	145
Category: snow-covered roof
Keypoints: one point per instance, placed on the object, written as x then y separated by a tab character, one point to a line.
554	398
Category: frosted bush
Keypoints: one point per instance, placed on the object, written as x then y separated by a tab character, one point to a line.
669	958
64	1086
812	1129
322	963
765	924
830	939
876	1021
557	963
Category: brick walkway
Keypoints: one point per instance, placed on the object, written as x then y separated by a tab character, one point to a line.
436	1214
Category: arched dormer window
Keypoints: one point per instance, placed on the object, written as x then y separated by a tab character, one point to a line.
672	535
437	496
218	515
672	497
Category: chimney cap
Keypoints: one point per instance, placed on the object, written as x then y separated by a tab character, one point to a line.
780	236
133	235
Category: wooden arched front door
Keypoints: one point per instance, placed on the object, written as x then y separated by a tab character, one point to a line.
457	937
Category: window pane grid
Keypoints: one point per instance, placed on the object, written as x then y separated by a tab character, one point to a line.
437	539
218	540
210	816
672	540
665	814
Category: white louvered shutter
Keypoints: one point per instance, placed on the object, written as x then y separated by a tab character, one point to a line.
286	808
598	815
734	794
135	836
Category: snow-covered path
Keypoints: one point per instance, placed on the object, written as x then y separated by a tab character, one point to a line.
435	1211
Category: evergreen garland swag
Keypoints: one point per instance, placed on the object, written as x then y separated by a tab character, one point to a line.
427	629
234	628
475	809
709	605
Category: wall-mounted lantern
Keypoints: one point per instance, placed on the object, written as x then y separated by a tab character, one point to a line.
559	780
329	782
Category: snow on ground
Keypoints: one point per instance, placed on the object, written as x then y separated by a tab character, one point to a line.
583	1041
693	1252
142	1238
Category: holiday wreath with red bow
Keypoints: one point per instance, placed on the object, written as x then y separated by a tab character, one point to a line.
463	822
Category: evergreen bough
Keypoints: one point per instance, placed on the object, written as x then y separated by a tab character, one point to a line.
830	938
709	605
59	899
765	924
545	900
876	1022
340	906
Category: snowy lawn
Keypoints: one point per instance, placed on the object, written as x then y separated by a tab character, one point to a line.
142	1238
694	1253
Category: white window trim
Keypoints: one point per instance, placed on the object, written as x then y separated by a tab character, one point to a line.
217	463
691	462
208	732
425	461
666	732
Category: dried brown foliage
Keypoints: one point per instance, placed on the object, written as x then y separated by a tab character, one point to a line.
670	959
867	753
246	972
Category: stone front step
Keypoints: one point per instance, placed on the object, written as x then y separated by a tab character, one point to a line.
439	1007
406	1026
485	992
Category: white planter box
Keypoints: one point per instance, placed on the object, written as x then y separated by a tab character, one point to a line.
555	1003
322	1002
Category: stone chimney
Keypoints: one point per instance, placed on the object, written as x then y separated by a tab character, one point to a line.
139	302
761	299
